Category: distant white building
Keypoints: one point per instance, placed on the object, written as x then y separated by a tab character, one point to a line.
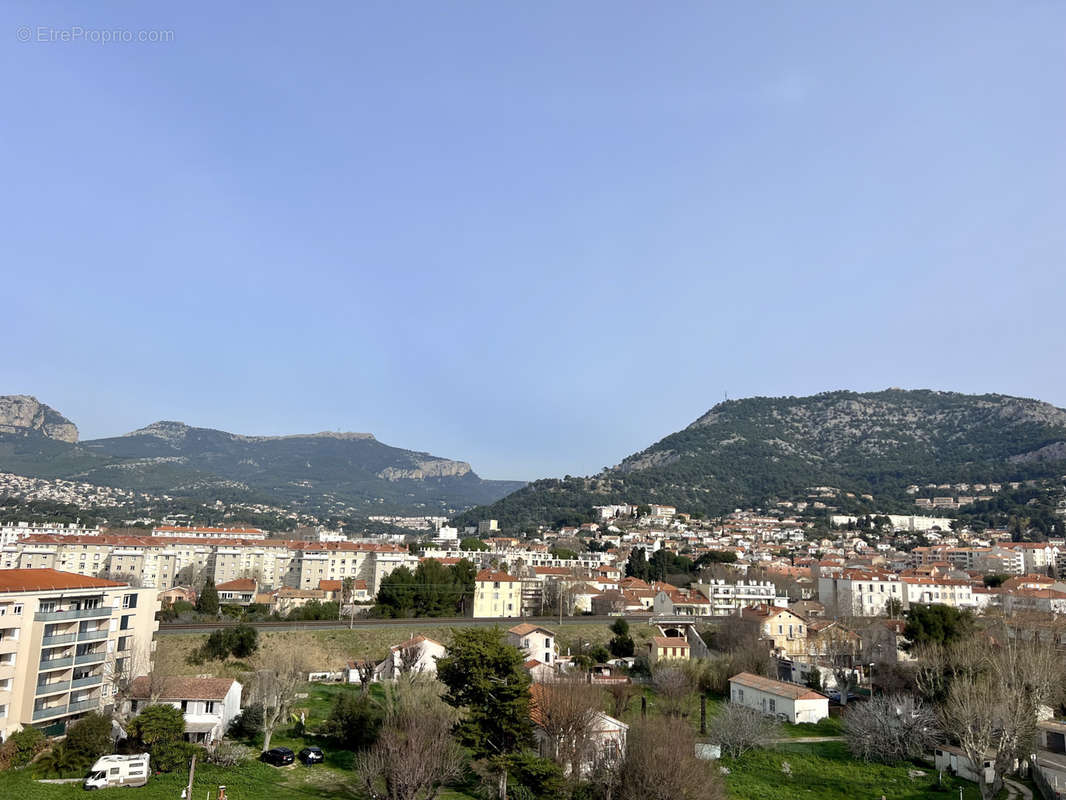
418	654
786	701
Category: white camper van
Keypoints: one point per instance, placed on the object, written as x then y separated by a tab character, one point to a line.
118	771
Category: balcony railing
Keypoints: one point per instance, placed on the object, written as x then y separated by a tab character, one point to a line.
89	680
52	711
92	636
52	688
61	638
89	658
92	702
56	663
74	613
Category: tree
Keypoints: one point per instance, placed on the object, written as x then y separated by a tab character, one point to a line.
563	553
738	729
660	764
566	710
275	689
621	695
354	721
891	728
160	729
21	746
484	676
248	724
207	602
472	543
621	644
936	624
90	736
993	692
415	753
674	688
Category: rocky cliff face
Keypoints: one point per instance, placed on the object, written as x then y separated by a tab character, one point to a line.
21	414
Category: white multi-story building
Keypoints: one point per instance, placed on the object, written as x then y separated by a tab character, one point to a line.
943	591
860	593
63	639
728	598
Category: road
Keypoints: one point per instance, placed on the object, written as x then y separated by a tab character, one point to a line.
369	624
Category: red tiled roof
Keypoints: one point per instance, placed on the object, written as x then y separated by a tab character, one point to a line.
780	688
489	575
238	585
180	688
42	580
329	586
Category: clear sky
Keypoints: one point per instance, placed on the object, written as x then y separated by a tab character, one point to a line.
533	236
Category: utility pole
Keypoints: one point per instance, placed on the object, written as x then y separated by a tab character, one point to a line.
192	771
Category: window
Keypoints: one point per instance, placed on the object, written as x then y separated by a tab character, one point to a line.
125	624
773	706
184	705
129	601
17	610
209	707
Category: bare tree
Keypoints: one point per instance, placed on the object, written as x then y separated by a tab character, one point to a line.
565	710
674	688
415	753
994	688
661	764
276	690
622	695
407	659
142	666
738	729
891	728
364	668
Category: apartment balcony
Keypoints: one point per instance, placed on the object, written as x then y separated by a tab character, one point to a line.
51	711
84	705
57	663
54	687
89	680
61	638
89	658
92	636
100	612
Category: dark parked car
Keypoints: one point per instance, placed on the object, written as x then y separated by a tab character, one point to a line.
311	755
278	756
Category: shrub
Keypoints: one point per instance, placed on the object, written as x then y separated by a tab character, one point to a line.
248	724
89	736
229	754
161	729
21	747
353	722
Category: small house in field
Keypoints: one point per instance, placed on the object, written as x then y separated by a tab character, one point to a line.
668	648
791	702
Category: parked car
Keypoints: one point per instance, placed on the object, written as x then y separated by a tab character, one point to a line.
312	755
278	756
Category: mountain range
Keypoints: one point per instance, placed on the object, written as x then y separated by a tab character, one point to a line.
761	451
330	474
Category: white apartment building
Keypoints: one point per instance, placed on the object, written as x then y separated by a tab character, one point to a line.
13	531
162	563
943	591
63	638
728	598
860	593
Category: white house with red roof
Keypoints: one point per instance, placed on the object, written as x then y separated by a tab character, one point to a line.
792	702
208	705
418	654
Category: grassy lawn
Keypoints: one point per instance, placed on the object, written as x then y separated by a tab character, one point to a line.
825	771
830	726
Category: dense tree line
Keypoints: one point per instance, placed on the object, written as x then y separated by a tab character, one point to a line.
431	590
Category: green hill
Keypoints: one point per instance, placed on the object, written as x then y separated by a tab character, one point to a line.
322	473
758	451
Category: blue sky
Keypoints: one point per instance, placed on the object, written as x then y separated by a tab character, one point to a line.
535	236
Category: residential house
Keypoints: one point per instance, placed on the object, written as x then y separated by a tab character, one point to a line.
606	742
534	641
786	629
209	705
786	701
681	603
418	654
239	592
497	594
668	648
883	642
184	594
